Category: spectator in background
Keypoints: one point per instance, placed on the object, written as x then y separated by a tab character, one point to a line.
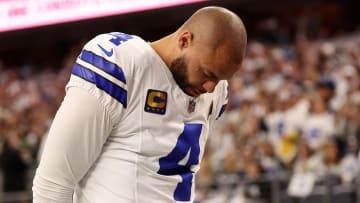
268	159
274	120
331	162
29	96
355	99
346	79
349	163
303	161
248	154
326	90
285	121
242	122
205	176
319	125
14	161
348	117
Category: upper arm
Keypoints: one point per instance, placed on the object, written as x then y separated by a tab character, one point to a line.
75	139
96	99
77	134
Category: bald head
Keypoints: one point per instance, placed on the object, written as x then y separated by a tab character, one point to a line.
207	48
217	27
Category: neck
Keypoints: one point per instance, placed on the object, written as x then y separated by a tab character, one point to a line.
163	48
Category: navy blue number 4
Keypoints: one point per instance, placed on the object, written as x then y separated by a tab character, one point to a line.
169	165
117	39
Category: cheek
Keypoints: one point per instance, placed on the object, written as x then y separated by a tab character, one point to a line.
193	73
196	77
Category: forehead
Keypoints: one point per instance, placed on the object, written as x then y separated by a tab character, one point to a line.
219	61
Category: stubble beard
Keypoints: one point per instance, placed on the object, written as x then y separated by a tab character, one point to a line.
178	69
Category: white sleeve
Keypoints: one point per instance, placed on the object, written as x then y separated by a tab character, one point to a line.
222	98
77	134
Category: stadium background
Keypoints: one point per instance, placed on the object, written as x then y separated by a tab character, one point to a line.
293	115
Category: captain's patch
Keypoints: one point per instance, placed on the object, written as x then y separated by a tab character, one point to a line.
156	101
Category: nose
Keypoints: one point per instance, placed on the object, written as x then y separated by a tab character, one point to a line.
209	86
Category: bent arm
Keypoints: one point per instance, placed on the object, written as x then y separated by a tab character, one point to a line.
77	134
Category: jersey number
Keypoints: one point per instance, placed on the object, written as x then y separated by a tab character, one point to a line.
187	145
119	38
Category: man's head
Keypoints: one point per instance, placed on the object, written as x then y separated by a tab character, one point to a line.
207	48
326	88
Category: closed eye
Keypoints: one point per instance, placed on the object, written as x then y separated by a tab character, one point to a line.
213	76
210	75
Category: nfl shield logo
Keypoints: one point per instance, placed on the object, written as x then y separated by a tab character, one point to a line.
191	106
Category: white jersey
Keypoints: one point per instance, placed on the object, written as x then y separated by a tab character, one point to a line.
145	137
318	128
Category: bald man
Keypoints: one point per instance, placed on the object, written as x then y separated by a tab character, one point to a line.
136	116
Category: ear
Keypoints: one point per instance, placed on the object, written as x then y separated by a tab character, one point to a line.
185	40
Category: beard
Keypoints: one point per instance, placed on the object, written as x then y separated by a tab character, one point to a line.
178	69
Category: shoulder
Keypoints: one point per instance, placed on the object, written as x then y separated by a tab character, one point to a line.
115	55
121	48
106	68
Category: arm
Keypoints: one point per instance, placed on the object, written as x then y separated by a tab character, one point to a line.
78	132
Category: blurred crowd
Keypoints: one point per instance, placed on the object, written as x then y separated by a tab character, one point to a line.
29	99
292	109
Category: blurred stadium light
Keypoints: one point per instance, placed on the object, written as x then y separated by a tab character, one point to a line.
20	14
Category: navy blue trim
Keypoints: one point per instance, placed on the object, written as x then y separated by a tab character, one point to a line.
103	64
222	110
102	83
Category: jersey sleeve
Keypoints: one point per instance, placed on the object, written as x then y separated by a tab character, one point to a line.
223	98
96	99
104	72
77	134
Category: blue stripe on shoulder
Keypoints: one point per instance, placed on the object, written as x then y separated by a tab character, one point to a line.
222	110
102	83
103	64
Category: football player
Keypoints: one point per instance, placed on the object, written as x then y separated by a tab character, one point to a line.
136	115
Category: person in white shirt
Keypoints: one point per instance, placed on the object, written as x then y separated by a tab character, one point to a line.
136	115
319	125
329	161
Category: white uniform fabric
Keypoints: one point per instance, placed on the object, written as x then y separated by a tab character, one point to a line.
123	132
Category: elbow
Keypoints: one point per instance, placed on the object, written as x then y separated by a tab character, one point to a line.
48	190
